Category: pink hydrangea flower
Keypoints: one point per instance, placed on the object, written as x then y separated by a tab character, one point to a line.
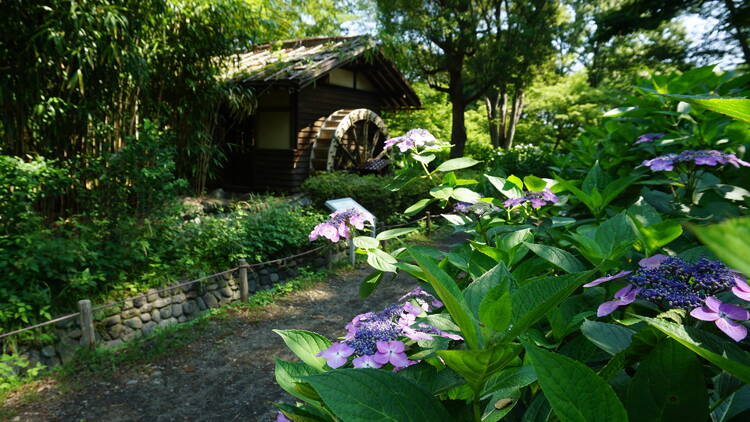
725	316
391	352
337	354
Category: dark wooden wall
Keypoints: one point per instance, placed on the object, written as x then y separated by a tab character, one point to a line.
322	100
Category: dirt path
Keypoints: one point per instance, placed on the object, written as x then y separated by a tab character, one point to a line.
225	375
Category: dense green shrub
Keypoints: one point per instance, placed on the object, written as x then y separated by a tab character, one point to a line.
367	190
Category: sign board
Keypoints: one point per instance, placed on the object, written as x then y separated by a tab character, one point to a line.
342	204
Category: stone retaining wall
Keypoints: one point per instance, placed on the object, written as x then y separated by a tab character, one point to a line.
142	315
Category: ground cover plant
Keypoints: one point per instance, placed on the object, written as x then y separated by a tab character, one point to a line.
614	289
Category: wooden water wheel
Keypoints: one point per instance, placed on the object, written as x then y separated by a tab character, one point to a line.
349	140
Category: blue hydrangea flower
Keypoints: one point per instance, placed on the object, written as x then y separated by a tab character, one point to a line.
536	199
648	137
699	158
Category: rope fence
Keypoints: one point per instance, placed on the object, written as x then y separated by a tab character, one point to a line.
86	309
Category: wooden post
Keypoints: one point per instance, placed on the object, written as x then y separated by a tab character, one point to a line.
429	223
244	292
352	258
87	323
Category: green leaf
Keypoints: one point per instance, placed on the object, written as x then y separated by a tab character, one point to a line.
366	242
534	183
457	220
595	179
306	344
510	379
736	108
424	159
660	234
442	192
668	386
370	283
479	288
558	257
476	366
720	352
381	260
393	233
366	395
495	310
450	295
505	187
431	379
418	206
730	241
611	338
533	300
516	181
288	374
456	164
574	391
466	195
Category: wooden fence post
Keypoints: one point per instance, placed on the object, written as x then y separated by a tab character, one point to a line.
243	281
429	223
352	257
87	323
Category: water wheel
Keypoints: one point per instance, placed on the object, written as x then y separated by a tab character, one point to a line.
349	140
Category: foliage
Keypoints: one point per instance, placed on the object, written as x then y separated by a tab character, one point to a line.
530	343
367	190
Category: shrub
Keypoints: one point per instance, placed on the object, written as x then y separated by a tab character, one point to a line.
366	190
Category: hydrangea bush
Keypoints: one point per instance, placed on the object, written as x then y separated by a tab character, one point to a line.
572	299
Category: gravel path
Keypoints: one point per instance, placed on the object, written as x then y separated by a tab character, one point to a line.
224	375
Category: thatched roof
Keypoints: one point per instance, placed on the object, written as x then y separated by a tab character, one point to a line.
301	62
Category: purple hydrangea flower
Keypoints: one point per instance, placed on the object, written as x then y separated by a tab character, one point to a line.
601	280
536	199
337	354
699	158
652	262
391	352
338	226
724	315
366	361
741	289
624	296
648	137
280	417
423	298
461	207
413	138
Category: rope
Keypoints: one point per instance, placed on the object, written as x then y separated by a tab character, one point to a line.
52	321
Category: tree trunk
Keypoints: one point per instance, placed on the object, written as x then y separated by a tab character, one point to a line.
458	106
738	32
515	116
490	102
503	120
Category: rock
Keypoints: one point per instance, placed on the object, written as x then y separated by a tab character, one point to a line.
222	282
128	304
139	301
152	295
166	293
274	277
167	322
178	298
226	291
166	312
201	304
130	313
210	300
189	307
134	323
160	303
116	331
155	315
182	319
192	294
176	309
67	352
131	335
75	333
114	319
265	280
48	351
112	344
212	286
146	317
148	327
132	382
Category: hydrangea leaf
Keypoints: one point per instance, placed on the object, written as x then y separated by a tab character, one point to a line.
495	310
505	187
533	300
509	379
534	183
466	195
451	296
476	366
558	257
366	242
288	374
736	108
366	395
456	164
418	206
574	391
393	233
479	288
305	344
668	386
442	192
611	338
721	352
381	260
370	283
730	241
